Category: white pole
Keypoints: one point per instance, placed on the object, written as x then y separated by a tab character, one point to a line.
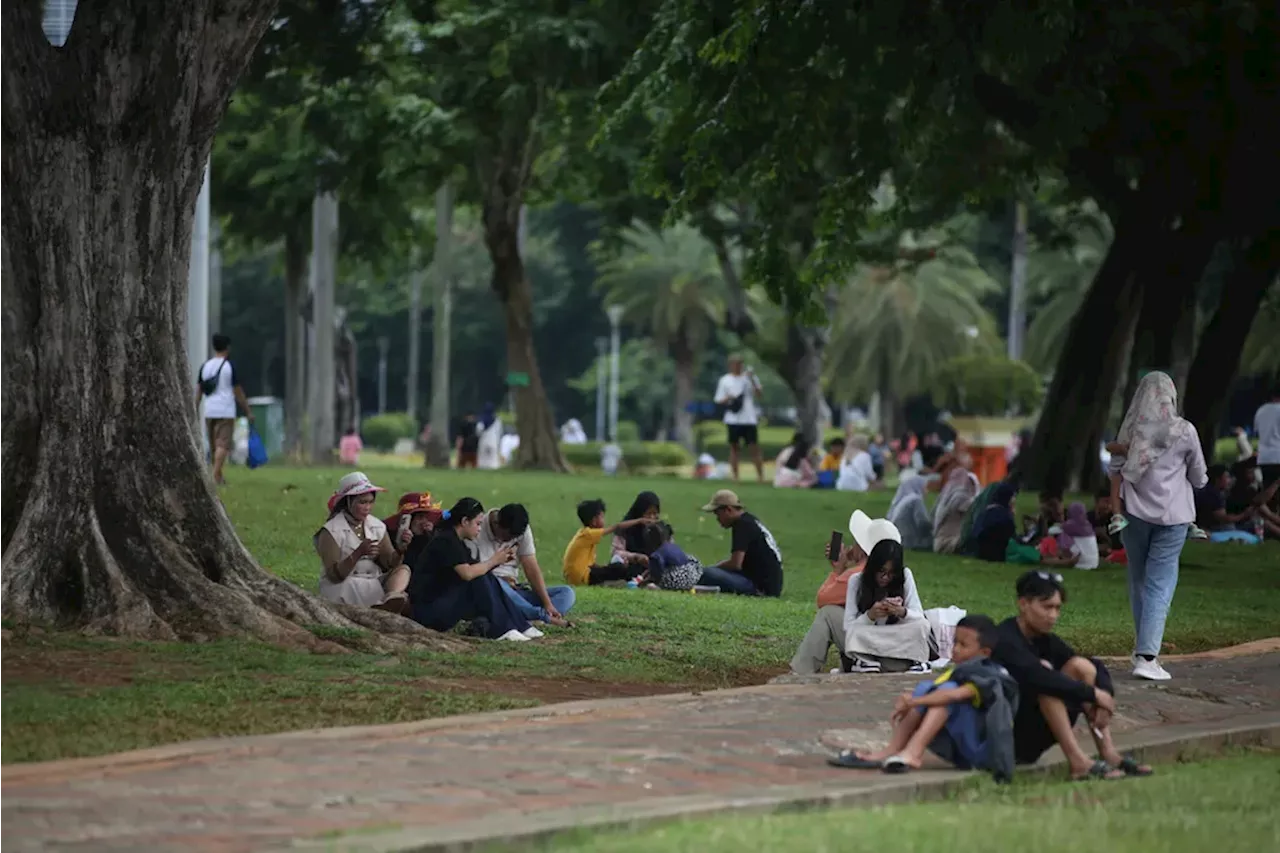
383	344
324	249
1018	284
615	345
198	291
215	277
602	381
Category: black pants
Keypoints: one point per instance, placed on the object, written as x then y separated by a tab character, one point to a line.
1031	735
613	572
481	598
1271	473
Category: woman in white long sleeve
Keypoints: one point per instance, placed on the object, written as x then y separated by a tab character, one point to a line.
884	623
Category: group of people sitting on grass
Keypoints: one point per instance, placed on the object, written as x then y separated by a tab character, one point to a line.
855	463
443	567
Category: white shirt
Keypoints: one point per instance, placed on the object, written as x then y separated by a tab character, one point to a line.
485	545
1266	423
222	402
731	387
910	600
610	456
856	474
1086	548
507	446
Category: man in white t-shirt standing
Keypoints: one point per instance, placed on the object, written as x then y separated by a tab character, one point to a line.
1266	424
737	392
216	384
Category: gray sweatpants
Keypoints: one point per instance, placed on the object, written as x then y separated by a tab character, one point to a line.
826	631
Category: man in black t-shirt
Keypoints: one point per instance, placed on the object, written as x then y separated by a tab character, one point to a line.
1056	685
754	566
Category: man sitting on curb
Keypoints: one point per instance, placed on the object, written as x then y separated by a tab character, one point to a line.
538	602
1056	685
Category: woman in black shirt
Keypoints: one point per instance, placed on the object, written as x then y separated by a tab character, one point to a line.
448	585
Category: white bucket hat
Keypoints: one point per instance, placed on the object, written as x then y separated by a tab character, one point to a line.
355	483
869	532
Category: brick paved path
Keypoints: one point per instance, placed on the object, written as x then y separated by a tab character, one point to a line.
495	774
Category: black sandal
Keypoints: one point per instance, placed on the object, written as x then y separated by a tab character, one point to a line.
1098	770
1131	767
852	761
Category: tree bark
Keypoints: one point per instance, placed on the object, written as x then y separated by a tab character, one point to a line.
1085	381
1222	343
737	318
110	521
438	445
685	371
539	441
323	375
295	342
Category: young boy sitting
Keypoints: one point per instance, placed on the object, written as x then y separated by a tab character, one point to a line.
669	566
964	716
580	556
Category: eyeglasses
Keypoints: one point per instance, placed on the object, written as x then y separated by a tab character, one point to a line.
1046	576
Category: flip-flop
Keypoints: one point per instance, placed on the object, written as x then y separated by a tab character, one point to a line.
1131	767
852	761
1098	770
896	764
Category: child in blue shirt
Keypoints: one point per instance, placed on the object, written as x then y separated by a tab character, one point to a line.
669	566
964	716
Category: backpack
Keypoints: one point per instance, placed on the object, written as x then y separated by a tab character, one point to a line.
208	386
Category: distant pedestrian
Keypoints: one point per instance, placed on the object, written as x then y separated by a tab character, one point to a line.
349	447
736	392
217	385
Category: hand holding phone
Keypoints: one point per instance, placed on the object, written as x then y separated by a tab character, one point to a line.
835	547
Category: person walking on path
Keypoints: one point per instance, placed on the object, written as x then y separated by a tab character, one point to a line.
754	566
217	385
1266	424
737	392
1163	466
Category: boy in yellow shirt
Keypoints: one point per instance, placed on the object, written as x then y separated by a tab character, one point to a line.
580	556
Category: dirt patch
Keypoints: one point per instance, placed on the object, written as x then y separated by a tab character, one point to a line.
33	662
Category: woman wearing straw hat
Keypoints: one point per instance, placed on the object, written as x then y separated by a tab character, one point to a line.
359	563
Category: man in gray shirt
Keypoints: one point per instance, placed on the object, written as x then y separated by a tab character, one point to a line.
1266	425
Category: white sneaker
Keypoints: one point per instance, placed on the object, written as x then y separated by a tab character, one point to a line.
1150	670
532	633
861	665
514	636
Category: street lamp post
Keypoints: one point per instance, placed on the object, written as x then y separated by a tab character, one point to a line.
602	346
615	344
384	343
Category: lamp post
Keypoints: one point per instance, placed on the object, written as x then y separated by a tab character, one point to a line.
602	346
615	344
384	343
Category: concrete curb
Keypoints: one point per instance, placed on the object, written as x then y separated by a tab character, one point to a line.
1166	743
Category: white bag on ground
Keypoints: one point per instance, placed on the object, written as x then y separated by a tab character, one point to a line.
943	621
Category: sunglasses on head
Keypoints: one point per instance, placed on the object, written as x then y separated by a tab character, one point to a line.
1047	576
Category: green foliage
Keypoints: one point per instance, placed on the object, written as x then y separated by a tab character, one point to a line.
987	385
1261	355
637	456
1058	279
381	432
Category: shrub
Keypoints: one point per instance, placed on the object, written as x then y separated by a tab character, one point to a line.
381	432
1226	452
636	456
628	432
987	386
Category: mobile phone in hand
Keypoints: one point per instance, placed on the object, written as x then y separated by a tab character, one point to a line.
837	544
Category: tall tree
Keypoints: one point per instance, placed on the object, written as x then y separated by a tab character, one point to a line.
670	285
104	146
514	74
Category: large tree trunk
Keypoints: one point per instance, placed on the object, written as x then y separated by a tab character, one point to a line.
806	347
1217	359
110	521
438	445
295	342
539	441
686	370
1079	397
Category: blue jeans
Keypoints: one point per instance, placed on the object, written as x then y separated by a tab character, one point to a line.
1153	551
727	581
530	606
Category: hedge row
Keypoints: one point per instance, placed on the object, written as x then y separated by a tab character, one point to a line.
636	456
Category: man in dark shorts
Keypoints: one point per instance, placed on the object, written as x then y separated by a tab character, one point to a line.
466	440
754	566
1056	685
736	392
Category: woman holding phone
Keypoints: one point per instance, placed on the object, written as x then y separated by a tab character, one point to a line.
359	563
449	586
885	626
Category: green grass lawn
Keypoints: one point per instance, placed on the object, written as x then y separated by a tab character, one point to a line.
65	695
1223	804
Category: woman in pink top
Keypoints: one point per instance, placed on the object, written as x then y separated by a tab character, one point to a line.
349	447
1163	465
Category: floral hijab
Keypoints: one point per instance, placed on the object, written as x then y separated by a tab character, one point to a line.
1151	425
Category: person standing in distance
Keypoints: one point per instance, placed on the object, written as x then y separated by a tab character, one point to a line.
216	383
736	392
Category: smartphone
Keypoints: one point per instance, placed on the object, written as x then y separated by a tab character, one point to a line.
837	543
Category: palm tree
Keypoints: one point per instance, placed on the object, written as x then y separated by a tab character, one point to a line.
897	322
669	284
1058	280
1261	355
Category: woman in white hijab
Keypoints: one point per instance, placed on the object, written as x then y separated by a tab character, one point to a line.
910	515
